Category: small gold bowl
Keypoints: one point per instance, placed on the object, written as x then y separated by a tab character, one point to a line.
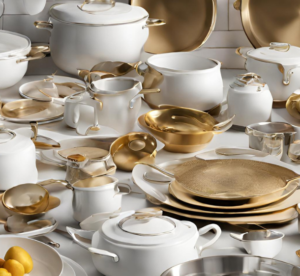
132	148
182	130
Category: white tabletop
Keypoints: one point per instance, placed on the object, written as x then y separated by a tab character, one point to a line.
63	214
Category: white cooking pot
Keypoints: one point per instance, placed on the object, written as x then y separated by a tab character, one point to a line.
116	103
278	65
250	100
84	35
189	81
143	243
14	49
17	158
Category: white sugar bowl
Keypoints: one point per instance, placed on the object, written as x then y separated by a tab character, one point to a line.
250	100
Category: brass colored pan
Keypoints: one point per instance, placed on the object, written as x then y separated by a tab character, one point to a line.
267	21
189	24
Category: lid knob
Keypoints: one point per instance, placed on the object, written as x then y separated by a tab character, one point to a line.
280	47
111	2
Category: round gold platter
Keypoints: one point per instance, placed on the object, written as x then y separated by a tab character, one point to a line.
267	21
189	24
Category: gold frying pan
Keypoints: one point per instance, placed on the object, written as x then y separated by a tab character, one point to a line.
188	24
267	21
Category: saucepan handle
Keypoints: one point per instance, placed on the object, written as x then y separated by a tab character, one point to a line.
44	25
123	185
111	2
206	229
151	22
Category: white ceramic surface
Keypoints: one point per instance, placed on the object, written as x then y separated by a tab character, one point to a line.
24	7
46	261
79	271
17	159
121	103
98	199
279	69
189	81
93	46
116	252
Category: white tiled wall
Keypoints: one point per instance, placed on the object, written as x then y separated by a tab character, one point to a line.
227	36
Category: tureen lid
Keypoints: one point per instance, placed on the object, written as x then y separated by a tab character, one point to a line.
147	228
282	53
97	12
249	82
12	44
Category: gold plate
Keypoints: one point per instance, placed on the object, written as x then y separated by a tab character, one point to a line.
87	152
293	106
188	24
272	218
231	179
267	21
23	111
275	207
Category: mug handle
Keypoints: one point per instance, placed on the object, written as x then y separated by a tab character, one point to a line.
206	229
124	185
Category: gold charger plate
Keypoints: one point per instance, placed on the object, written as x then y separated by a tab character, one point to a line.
188	24
267	21
272	218
24	111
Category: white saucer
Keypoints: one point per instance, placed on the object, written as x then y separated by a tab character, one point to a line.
77	269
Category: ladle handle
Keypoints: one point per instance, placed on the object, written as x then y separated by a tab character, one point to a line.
158	169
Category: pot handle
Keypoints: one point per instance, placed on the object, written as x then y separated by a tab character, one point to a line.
151	22
30	58
104	253
206	229
81	237
43	25
237	5
140	94
124	185
242	51
111	2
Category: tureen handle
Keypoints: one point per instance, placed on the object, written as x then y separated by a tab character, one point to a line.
105	253
151	22
204	230
111	2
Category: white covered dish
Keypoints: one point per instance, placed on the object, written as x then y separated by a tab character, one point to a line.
278	65
143	243
101	30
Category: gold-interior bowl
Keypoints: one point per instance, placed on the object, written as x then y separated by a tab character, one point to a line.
180	120
132	148
182	135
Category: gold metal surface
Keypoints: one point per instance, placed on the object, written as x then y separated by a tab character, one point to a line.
188	25
298	253
31	110
181	142
26	199
132	148
272	218
271	20
86	152
293	106
43	25
36	52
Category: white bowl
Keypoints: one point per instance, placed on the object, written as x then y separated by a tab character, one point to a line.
46	261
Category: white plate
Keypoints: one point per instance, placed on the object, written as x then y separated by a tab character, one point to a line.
79	271
68	269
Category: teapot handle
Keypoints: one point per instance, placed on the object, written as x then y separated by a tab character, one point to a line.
206	229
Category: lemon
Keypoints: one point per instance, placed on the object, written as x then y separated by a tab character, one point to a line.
14	267
4	272
22	256
1	262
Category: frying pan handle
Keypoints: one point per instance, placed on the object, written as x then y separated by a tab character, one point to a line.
206	229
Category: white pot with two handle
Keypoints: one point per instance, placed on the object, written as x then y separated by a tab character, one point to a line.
143	243
30	7
17	158
278	65
188	81
116	102
102	30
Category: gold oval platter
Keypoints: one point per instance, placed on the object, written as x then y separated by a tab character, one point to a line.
25	111
188	25
267	21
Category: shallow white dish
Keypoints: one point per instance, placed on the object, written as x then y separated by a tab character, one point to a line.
79	271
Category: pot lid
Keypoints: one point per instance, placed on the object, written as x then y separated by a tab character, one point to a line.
249	82
97	13
282	53
12	44
147	228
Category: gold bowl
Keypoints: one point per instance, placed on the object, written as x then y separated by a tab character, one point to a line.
182	130
293	106
132	148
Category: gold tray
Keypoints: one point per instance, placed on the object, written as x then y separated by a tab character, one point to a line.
267	21
272	218
188	24
25	111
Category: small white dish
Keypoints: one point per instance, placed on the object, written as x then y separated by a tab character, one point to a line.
265	243
67	269
79	271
